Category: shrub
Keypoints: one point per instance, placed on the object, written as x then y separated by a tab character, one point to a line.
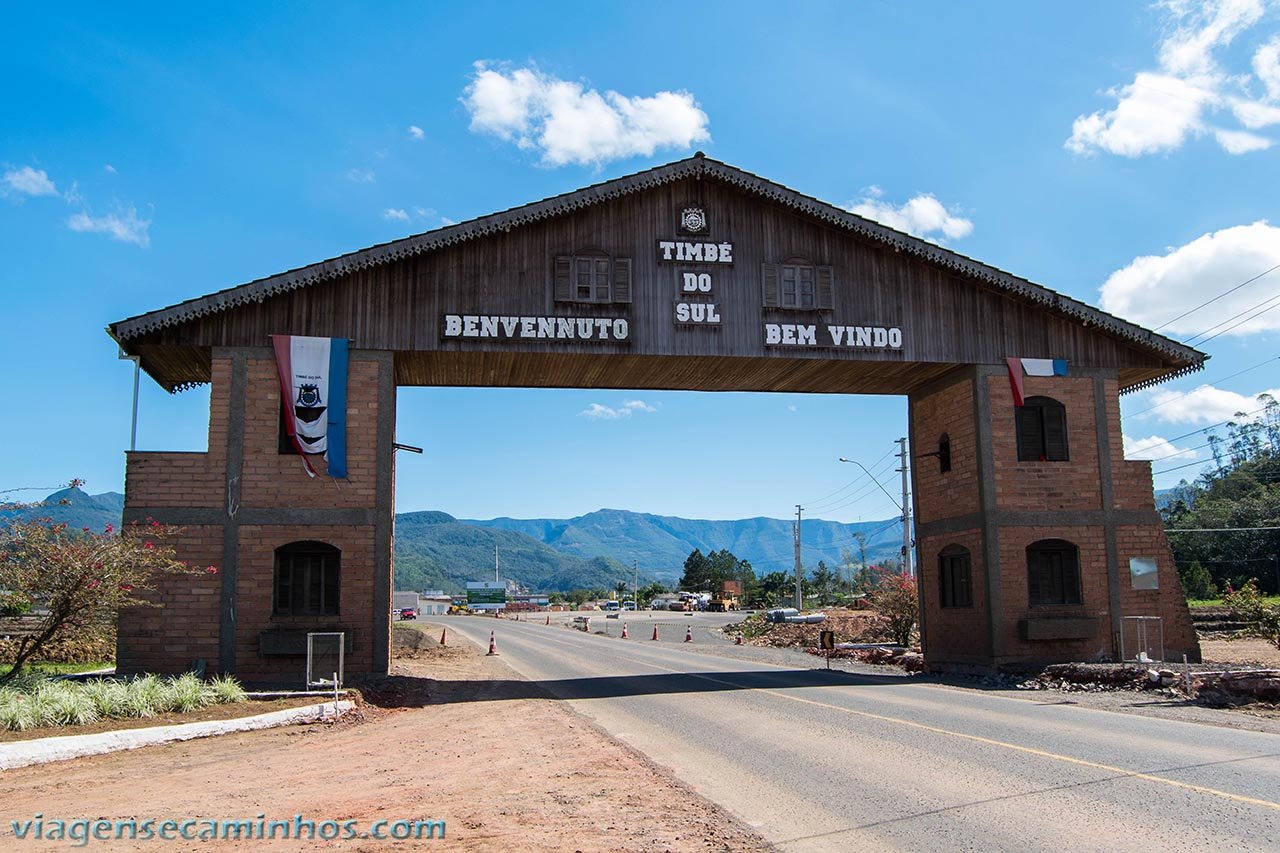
225	690
1248	606
30	701
898	605
1197	582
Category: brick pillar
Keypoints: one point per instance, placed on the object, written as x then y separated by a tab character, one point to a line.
996	506
242	500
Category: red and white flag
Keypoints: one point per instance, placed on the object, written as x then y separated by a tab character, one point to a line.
1021	367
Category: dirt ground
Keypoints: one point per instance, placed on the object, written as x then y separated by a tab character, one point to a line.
503	773
1248	651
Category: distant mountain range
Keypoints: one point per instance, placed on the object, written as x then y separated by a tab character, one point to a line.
434	550
661	542
76	509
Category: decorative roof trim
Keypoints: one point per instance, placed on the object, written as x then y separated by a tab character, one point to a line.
697	166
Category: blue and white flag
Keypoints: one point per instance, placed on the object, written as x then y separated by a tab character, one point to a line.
313	385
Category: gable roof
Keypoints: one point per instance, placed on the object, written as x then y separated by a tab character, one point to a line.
697	166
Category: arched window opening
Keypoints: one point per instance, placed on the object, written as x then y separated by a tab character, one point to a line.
1053	573
306	579
1042	430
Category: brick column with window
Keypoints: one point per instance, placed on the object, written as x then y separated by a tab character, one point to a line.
248	507
1025	543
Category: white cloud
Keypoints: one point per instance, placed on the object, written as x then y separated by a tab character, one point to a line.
1205	404
1240	141
361	176
393	213
1162	108
125	226
109	169
567	123
1266	65
1156	448
1153	289
416	132
444	220
596	411
922	215
26	181
791	408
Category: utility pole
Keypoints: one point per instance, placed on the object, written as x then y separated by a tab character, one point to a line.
799	570
635	587
495	564
906	509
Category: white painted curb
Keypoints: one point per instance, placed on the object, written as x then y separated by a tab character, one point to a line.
45	750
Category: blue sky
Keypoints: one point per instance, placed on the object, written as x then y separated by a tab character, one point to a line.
153	153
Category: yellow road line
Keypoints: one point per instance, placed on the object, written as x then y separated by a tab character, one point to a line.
1081	762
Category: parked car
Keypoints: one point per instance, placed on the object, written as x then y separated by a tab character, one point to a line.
628	605
408	613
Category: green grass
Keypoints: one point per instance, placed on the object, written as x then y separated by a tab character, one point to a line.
1194	603
58	668
35	700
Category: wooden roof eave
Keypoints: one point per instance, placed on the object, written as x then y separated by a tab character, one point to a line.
1182	358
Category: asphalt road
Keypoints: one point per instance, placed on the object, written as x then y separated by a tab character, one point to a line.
836	761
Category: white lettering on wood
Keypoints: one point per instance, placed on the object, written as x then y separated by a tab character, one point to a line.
536	328
695	252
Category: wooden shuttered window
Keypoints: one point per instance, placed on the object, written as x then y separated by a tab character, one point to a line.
1041	424
594	278
798	286
563	272
955	577
826	287
1053	573
621	279
769	277
307	579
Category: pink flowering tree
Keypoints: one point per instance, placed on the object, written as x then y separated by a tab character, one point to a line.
898	603
75	582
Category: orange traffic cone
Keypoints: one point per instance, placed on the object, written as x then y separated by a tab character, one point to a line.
624	630
493	644
688	634
442	633
655	632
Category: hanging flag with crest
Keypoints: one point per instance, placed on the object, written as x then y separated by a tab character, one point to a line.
313	385
1022	367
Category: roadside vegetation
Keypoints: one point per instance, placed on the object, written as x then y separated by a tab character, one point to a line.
61	587
31	701
1227	511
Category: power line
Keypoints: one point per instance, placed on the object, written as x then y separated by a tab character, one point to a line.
1216	298
848	484
1241	323
1207	381
1229	319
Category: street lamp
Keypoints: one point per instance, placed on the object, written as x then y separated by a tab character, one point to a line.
902	507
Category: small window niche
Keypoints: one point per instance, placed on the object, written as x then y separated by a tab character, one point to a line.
1143	573
944	453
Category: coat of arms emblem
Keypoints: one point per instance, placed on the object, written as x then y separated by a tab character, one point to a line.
308	406
693	220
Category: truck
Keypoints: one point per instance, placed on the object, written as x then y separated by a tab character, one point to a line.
722	604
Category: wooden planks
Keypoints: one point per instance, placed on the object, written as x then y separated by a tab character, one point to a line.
945	318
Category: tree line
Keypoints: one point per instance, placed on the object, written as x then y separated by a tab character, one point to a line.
1240	490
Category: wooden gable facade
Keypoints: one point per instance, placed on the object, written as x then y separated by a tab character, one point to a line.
627	237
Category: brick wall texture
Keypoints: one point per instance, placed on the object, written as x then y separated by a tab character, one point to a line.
1034	501
187	625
